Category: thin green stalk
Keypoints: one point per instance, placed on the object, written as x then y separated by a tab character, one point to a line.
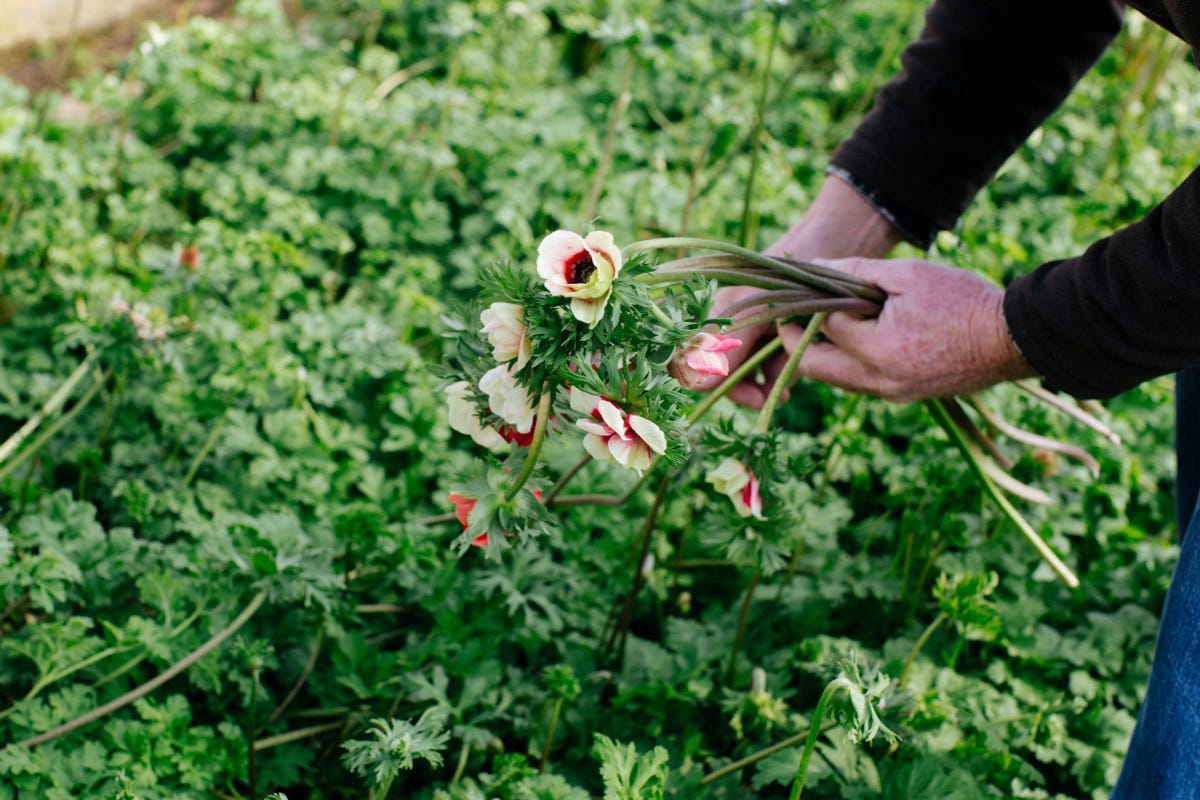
615	113
150	685
50	407
733	277
461	767
251	726
743	616
58	424
758	756
292	736
1049	556
541	423
832	280
620	615
733	379
748	232
916	648
548	498
554	712
813	731
789	370
202	454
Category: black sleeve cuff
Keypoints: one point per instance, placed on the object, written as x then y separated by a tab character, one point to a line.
915	229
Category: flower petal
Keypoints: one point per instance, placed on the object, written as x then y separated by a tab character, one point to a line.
649	433
707	362
555	253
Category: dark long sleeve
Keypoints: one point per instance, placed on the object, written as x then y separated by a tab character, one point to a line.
1126	310
982	76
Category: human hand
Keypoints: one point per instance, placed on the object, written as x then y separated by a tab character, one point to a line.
839	223
941	332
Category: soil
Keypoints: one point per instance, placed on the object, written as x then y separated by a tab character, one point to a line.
51	65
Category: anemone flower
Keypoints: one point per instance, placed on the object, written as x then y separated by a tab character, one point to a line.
504	324
736	481
582	268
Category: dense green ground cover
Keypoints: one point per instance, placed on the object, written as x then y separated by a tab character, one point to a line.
238	265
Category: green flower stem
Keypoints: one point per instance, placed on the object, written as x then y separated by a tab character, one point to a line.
733	379
152	684
1074	411
743	616
831	280
1032	439
813	731
296	735
924	637
548	498
202	454
615	113
550	734
661	315
540	425
753	758
826	305
748	230
463	755
1060	569
7	466
730	276
789	370
50	407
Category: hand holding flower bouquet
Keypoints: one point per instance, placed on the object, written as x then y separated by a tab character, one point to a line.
591	345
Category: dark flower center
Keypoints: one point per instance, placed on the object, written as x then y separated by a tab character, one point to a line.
582	268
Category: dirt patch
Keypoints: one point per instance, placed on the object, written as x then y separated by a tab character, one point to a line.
51	65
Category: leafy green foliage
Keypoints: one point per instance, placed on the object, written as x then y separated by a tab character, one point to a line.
255	230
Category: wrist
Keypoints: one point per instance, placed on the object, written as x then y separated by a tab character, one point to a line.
1010	362
840	223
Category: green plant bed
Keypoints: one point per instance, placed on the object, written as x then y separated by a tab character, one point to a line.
226	539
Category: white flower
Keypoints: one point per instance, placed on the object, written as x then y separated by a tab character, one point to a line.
508	399
736	481
465	419
582	268
612	435
504	324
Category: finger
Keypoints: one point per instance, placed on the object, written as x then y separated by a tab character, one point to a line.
828	363
749	394
849	331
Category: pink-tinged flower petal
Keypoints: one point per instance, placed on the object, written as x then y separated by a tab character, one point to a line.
581	401
714	342
637	450
649	433
751	499
612	416
706	362
582	268
504	324
736	481
597	446
704	353
463	506
559	255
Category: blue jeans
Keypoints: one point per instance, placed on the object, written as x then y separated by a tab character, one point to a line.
1187	443
1163	761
